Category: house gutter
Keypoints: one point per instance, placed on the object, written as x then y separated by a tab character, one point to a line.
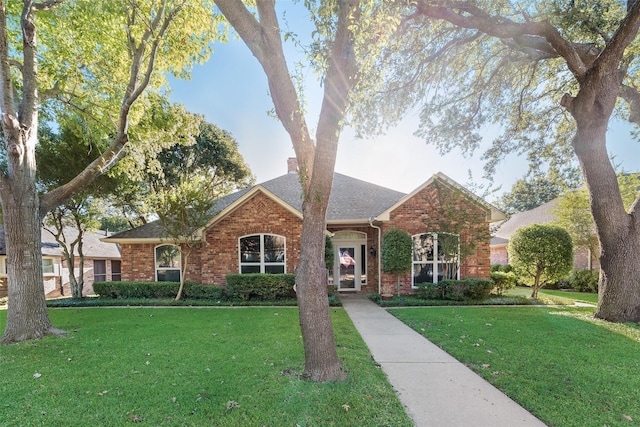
371	219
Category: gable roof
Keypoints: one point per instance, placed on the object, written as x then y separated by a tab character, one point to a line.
494	214
543	214
351	201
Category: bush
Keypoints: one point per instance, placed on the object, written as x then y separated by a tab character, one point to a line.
156	290
503	281
245	287
584	280
504	268
136	289
203	292
456	290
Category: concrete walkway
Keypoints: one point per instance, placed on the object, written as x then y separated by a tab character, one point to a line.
435	388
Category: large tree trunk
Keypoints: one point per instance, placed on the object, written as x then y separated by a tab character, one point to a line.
321	359
619	286
27	316
316	162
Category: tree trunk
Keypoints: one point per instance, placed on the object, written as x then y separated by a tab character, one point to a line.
183	274
321	359
27	316
619	286
536	286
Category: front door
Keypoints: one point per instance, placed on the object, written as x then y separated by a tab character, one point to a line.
348	268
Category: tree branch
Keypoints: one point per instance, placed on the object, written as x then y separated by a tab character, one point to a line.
48	5
136	86
612	54
264	41
472	17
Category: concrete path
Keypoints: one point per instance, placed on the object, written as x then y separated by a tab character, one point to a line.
435	388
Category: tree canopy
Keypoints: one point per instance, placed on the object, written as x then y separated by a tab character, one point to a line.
100	60
550	75
540	254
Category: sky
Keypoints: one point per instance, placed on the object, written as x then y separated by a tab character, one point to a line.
231	91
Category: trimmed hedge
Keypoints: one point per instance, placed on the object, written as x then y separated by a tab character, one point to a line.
156	290
261	287
456	290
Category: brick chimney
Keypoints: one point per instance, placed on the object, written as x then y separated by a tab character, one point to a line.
292	165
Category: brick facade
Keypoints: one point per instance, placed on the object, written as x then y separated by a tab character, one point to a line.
437	207
218	256
441	208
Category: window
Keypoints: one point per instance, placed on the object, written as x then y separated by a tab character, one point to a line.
116	271
168	263
262	253
47	266
436	257
99	270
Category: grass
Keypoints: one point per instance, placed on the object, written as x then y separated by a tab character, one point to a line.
553	297
560	363
188	367
589	298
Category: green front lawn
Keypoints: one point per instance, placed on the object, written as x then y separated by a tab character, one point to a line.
188	367
588	298
560	363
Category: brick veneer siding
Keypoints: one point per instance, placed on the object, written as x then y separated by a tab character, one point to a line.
138	262
436	208
218	256
258	215
441	208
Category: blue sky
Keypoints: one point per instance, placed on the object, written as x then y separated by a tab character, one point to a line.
231	91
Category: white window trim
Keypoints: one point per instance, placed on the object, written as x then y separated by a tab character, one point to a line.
155	260
53	264
435	261
262	264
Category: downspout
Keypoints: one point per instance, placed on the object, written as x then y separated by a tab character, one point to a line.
378	253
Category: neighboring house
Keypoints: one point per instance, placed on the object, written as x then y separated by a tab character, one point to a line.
101	263
257	230
582	258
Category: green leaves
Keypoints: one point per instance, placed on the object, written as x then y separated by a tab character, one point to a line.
541	253
396	251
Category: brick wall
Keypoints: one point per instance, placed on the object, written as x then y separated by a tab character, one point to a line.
218	256
138	262
441	208
258	215
437	208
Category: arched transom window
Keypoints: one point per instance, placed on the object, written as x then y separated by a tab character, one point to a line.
436	257
262	253
168	264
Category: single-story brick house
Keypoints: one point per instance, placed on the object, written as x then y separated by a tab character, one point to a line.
257	230
583	259
101	262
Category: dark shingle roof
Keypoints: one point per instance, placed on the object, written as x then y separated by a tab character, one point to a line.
351	199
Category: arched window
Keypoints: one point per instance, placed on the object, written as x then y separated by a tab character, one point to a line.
436	257
168	263
262	253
